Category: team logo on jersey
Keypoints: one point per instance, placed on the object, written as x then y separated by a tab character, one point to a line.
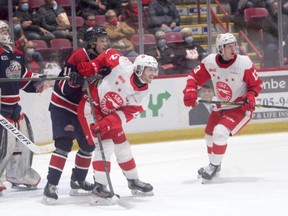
111	102
4	57
224	92
14	70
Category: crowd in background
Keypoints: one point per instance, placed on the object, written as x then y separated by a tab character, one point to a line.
120	19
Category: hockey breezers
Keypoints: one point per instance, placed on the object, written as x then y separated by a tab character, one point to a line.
240	104
114	197
23	139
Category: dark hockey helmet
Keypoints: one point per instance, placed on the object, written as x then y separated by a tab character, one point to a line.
93	33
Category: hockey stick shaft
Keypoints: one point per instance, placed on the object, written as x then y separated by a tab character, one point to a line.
239	103
96	77
22	138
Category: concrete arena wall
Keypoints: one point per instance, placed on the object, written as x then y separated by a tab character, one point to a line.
166	117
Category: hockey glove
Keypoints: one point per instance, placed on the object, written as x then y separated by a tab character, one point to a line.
102	126
104	71
76	79
87	68
190	94
249	101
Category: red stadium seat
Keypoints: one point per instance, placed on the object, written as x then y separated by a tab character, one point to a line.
42	47
254	17
79	21
63	46
148	39
100	20
35	4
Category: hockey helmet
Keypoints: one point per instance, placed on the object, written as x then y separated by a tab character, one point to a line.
93	33
223	39
143	61
5	37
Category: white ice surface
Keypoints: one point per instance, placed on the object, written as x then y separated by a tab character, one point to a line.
253	181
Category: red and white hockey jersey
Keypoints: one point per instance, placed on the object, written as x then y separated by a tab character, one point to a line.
117	93
230	81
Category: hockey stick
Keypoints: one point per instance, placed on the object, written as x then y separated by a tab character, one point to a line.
97	76
23	139
114	196
240	103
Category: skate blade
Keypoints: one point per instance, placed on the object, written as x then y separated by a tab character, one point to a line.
141	194
99	201
48	201
79	192
24	187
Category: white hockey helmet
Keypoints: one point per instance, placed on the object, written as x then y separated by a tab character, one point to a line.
223	39
143	61
5	37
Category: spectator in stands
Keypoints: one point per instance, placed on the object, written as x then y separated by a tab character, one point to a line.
89	21
164	55
190	54
34	60
129	15
98	7
164	16
19	36
200	113
54	18
119	34
30	22
271	38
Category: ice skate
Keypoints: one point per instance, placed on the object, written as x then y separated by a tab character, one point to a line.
209	173
201	170
139	188
77	187
101	196
50	194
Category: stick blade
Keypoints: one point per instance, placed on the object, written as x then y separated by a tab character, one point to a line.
121	202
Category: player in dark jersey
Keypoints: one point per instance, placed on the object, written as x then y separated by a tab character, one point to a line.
65	125
15	158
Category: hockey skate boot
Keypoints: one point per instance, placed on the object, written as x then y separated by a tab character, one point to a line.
50	194
139	188
209	172
201	170
100	195
79	185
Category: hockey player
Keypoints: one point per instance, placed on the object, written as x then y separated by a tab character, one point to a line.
65	124
15	158
119	98
235	80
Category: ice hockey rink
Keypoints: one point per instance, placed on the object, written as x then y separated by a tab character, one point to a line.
253	181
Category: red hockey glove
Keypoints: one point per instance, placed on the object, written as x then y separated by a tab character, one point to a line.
190	94
102	126
249	101
87	68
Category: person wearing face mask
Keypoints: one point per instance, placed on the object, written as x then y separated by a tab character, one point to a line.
119	34
164	54
89	21
188	54
34	60
30	23
271	37
54	18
